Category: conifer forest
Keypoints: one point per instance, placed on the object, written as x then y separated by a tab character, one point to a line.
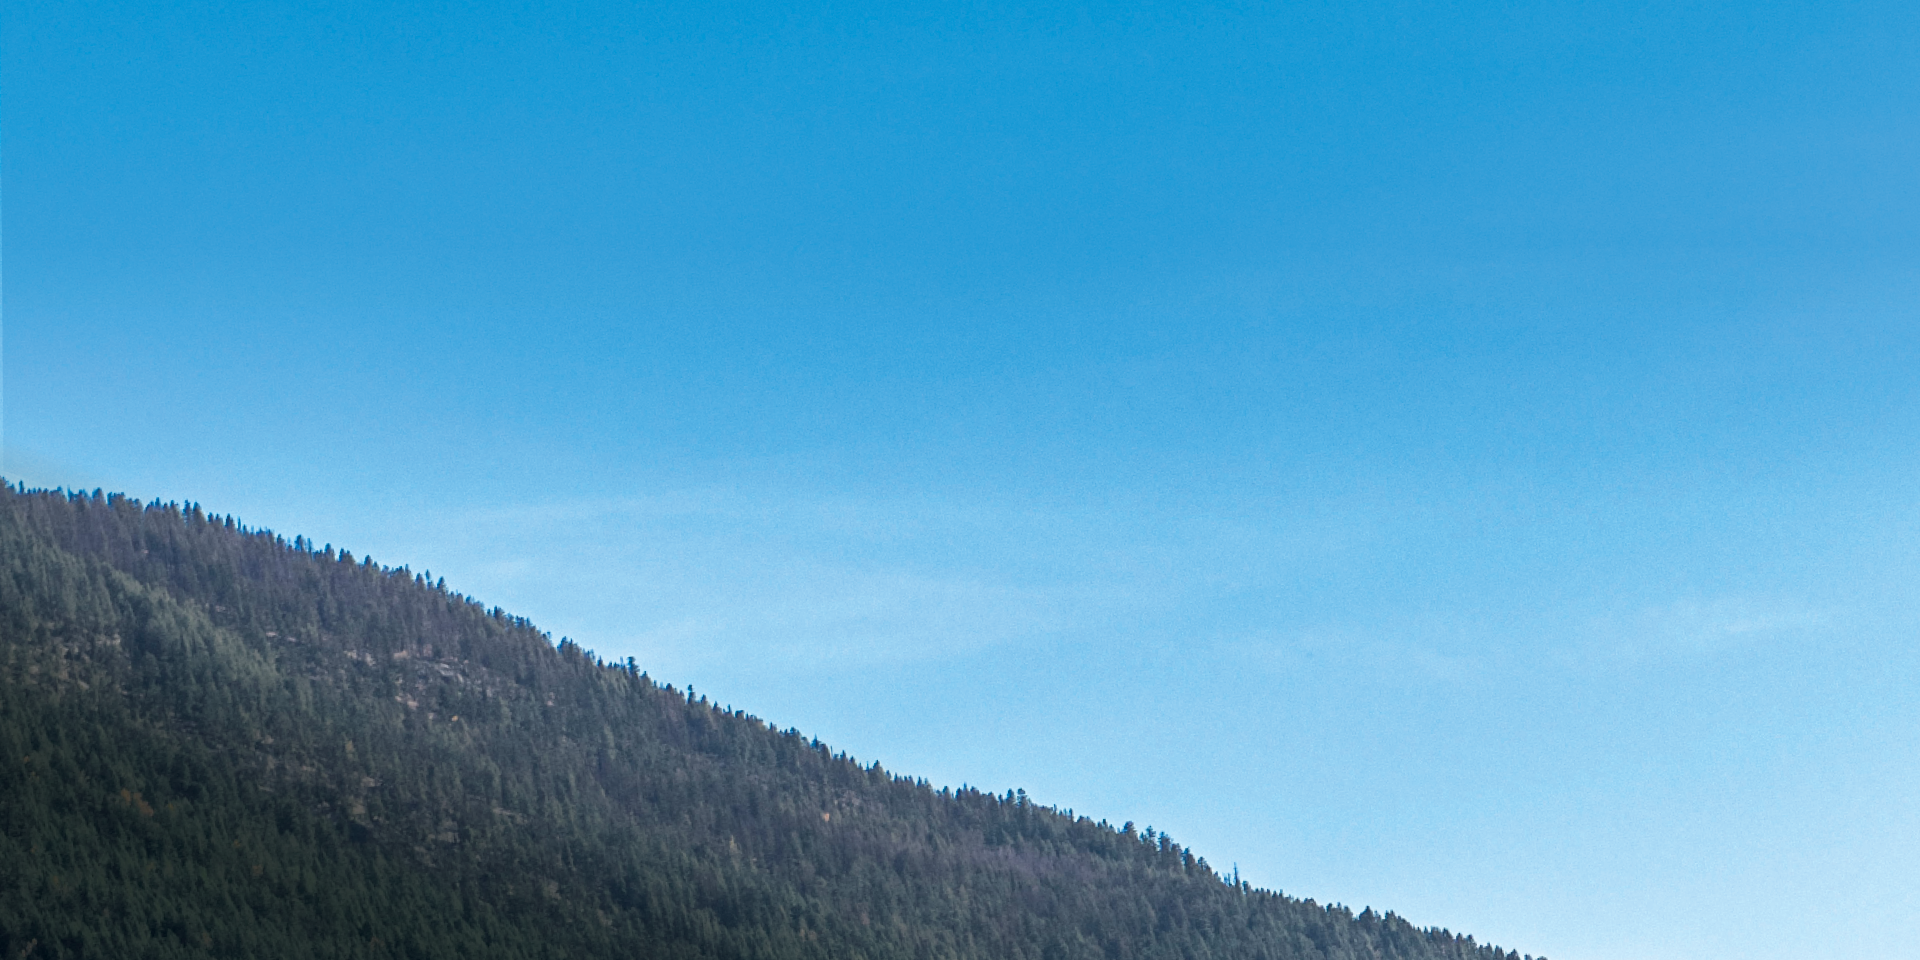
219	742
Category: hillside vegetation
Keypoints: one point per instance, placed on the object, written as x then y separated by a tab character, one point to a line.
215	742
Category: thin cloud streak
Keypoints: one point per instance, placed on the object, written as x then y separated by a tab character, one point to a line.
697	576
1695	628
1494	650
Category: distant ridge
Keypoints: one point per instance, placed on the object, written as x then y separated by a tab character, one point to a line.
216	742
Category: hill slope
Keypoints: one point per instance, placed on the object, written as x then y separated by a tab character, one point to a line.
216	742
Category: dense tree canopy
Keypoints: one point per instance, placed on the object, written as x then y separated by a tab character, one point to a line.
217	742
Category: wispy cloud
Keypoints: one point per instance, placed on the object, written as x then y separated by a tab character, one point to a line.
716	574
1695	627
825	614
1419	651
1463	649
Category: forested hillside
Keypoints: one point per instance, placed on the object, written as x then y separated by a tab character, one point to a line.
215	742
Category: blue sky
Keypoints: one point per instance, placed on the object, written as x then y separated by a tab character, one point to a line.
1454	458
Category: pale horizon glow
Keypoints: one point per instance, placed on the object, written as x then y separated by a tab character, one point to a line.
1459	460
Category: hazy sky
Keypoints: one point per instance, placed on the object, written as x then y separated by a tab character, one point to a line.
1456	458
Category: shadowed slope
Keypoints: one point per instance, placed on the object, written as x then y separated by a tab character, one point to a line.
214	742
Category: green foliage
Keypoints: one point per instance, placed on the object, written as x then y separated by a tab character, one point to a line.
217	743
